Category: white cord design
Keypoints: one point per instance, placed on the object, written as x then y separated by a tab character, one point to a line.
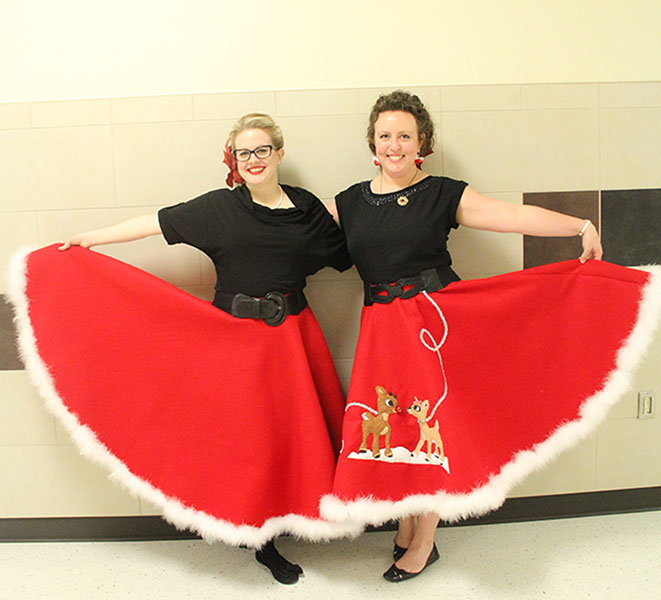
436	347
430	345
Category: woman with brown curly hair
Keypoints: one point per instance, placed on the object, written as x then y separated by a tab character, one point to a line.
459	388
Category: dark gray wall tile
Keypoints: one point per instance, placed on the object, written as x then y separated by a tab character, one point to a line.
631	226
543	250
9	360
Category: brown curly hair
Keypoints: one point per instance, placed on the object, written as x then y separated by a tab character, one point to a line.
405	102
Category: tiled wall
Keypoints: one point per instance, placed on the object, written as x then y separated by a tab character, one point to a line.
593	149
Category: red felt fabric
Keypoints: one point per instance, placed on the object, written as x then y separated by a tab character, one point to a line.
523	351
229	416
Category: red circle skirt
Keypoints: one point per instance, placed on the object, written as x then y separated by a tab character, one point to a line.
232	427
457	395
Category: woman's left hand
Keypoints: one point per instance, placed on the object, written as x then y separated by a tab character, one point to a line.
591	245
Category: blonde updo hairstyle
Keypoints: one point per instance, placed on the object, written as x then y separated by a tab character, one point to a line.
258	121
405	102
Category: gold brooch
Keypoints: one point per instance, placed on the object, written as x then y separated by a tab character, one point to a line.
402	200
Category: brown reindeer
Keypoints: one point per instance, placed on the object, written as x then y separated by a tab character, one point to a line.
377	425
429	434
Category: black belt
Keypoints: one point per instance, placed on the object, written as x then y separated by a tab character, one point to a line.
273	308
429	280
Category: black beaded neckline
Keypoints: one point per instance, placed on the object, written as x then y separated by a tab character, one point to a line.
381	199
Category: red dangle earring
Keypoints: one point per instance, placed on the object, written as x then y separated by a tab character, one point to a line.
418	161
377	162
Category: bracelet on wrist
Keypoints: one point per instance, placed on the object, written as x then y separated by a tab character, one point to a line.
584	228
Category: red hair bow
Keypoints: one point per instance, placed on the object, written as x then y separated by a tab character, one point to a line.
233	177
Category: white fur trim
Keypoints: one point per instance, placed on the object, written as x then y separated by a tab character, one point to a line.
208	527
452	507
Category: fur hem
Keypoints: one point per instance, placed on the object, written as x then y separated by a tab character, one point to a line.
210	528
491	495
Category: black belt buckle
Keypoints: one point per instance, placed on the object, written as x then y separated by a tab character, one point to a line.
280	302
415	285
384	293
245	307
272	309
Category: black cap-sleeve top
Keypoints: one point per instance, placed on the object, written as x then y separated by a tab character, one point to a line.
254	249
400	234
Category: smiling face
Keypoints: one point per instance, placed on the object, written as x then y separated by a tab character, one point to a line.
257	171
396	142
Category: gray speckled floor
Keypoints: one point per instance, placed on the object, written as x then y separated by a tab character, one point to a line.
610	557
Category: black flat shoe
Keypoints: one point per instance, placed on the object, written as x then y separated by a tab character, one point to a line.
281	569
394	574
398	552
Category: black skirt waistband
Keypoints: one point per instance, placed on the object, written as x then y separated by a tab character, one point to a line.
273	308
429	280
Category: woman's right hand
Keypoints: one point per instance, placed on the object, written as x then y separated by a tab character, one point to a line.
84	240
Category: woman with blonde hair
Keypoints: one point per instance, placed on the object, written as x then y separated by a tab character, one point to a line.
225	415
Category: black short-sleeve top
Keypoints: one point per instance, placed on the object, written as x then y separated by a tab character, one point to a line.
400	234
254	249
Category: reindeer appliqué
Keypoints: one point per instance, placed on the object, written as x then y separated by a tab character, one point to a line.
377	424
431	435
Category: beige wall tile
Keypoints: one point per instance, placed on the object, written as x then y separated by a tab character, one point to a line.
481	97
478	254
149	509
179	264
70	113
505	151
337	306
16	230
151	109
343	368
53	481
232	106
577	95
203	292
628	454
630	148
313	103
330	274
208	271
62	436
167	163
14	116
573	471
24	419
648	375
59	168
430	96
325	154
614	95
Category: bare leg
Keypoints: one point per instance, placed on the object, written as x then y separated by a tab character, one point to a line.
405	531
421	543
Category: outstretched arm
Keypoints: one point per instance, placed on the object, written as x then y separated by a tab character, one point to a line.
133	229
481	212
